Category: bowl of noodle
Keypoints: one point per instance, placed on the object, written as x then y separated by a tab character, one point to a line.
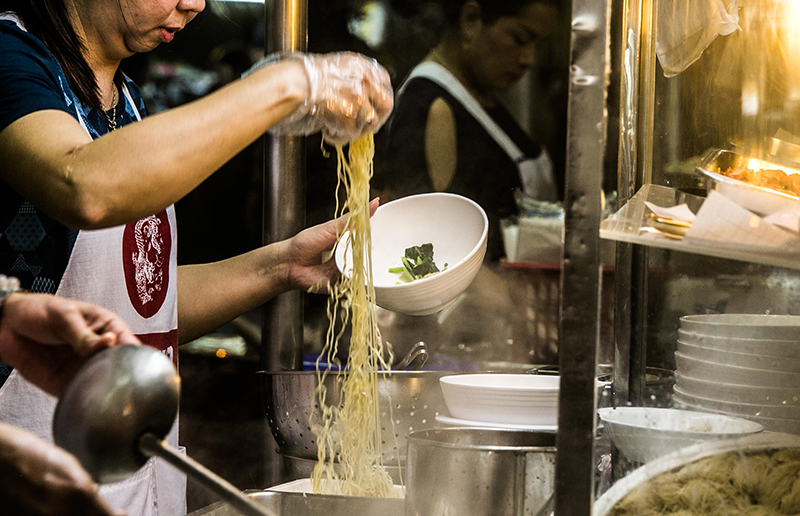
457	228
754	475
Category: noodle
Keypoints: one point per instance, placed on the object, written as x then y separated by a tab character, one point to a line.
731	484
349	434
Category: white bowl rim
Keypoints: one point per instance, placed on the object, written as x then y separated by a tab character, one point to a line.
453	380
770	371
743	340
702	319
682	394
725	351
754	419
754	427
422	281
731	385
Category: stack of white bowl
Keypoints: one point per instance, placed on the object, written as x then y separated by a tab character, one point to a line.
501	400
745	365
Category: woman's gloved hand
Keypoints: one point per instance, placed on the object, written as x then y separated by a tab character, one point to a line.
349	95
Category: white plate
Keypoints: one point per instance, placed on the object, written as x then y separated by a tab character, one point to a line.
304	485
758	199
452	421
515	399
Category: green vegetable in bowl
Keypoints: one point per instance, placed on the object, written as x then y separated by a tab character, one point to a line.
417	263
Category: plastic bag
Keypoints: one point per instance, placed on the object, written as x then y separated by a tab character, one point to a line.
687	27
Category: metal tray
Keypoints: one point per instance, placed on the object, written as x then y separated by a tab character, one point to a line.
303	504
758	199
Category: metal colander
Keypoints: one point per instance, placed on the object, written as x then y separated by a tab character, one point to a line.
416	400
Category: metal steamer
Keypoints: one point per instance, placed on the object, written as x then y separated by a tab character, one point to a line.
408	400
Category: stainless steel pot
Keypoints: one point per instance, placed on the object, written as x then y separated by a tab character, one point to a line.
457	471
409	400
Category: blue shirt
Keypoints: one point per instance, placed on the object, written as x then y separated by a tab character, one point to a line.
34	247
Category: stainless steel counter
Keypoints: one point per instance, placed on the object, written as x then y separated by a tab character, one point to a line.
302	504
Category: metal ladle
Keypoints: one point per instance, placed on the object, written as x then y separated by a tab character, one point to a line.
115	414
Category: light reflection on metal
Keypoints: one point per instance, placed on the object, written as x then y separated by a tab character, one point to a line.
284	198
757	164
750	101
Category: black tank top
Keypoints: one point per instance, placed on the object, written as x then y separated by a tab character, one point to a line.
484	171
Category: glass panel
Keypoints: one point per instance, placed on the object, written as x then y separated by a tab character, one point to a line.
719	333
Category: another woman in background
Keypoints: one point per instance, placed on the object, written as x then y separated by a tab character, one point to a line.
448	131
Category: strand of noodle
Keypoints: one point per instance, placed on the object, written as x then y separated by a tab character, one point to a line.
349	434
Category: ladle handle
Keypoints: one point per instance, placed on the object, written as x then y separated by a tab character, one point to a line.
152	446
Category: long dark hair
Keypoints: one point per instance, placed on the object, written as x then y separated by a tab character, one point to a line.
49	21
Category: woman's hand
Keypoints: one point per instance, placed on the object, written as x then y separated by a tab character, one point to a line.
210	295
349	95
310	262
40	479
47	338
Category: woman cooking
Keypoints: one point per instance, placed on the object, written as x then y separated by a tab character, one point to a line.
88	182
453	134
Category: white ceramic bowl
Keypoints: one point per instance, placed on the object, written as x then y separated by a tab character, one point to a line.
739	409
643	434
722	373
767	347
456	226
517	399
737	393
790	426
791	365
748	326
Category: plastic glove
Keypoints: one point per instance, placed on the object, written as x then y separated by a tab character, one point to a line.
349	95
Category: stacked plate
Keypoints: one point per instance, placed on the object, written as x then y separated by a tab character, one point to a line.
744	365
519	401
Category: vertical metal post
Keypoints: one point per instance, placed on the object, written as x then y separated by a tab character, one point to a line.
579	330
284	197
635	170
626	188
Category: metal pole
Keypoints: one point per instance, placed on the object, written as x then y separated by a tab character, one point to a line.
284	198
579	330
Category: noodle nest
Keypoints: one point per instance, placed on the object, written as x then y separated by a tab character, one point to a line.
729	484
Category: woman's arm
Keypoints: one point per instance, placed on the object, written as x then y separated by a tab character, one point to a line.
441	153
143	167
212	294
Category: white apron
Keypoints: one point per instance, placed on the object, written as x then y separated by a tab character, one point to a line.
132	271
536	174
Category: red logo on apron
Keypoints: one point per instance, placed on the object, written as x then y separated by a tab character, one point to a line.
145	259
